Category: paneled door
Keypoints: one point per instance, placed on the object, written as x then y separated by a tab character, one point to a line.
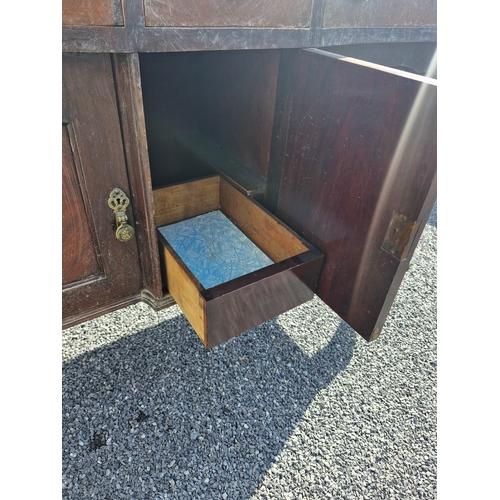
99	272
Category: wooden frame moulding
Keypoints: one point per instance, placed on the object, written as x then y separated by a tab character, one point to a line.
134	36
228	309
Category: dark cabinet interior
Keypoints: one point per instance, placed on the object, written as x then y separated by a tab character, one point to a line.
210	109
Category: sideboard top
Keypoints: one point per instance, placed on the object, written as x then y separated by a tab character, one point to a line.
190	25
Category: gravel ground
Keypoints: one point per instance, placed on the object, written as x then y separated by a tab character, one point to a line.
300	407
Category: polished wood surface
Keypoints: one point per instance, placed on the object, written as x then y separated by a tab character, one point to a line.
92	12
79	259
131	39
98	145
95	312
227	13
379	13
135	36
234	307
131	109
361	144
240	101
284	94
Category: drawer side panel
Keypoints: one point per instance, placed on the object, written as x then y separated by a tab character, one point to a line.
185	294
186	200
261	227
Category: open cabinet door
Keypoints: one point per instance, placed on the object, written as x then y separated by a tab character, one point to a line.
355	174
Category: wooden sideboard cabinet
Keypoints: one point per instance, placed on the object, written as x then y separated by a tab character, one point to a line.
336	142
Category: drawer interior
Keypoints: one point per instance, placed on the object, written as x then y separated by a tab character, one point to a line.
287	279
214	249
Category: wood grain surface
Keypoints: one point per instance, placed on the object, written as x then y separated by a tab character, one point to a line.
131	109
185	200
228	13
361	144
244	26
92	12
90	109
181	285
265	230
79	258
228	309
234	307
379	13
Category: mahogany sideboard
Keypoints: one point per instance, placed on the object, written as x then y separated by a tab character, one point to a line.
322	111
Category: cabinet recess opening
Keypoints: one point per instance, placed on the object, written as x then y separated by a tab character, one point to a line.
210	112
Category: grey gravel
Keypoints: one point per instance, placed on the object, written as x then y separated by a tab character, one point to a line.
300	407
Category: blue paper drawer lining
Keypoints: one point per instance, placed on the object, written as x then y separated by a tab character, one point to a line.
214	249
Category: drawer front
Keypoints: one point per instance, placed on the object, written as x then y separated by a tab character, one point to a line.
227	13
379	13
92	12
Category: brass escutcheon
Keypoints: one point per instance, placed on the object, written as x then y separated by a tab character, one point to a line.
118	202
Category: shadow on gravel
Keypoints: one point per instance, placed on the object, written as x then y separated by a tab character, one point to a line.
156	416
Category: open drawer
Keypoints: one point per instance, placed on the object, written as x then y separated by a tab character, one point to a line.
221	311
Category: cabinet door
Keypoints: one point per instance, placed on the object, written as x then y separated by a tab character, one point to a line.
357	176
99	272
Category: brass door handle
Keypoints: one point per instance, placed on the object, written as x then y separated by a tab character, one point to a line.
118	202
